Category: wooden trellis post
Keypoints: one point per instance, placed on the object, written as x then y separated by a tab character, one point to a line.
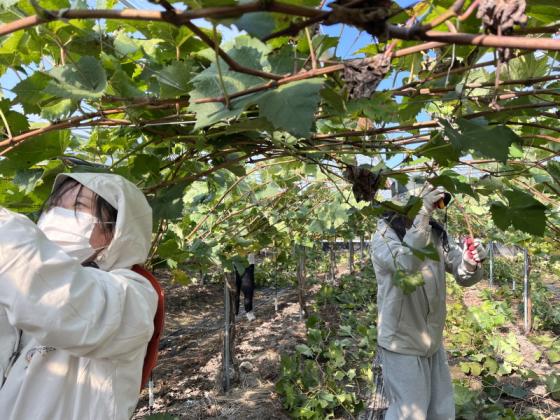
527	302
229	330
351	256
301	277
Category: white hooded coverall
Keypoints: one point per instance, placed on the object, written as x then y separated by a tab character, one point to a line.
73	338
410	327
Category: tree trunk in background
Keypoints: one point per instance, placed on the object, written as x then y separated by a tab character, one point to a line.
351	256
301	277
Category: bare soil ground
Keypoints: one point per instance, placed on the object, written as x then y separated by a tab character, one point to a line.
188	376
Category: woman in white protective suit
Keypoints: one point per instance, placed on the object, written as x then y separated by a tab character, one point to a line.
410	327
75	320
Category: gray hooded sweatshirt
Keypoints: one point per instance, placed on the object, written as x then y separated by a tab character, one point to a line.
413	324
73	338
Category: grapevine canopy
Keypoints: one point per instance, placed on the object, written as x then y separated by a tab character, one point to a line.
224	108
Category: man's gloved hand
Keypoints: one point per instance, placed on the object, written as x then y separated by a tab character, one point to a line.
473	253
430	197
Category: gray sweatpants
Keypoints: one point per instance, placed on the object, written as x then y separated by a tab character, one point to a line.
418	388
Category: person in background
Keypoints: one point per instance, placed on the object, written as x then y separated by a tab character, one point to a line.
75	320
246	282
410	326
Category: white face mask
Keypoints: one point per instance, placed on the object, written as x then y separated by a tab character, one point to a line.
71	230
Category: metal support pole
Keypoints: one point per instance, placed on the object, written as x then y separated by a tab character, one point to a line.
332	261
491	278
275	286
362	250
226	354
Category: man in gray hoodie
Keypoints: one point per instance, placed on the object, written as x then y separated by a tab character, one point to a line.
410	326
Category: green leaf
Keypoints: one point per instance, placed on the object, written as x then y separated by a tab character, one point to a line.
58	109
523	213
83	80
248	52
27	179
174	80
429	252
6	4
35	150
407	282
282	60
410	209
339	375
553	385
16	121
453	182
316	226
527	67
381	107
168	203
305	350
463	395
145	164
170	249
292	107
553	168
180	277
491	365
257	24
515	391
489	141
122	85
124	45
30	92
471	368
553	356
440	149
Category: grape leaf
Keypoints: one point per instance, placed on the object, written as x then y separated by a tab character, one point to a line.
208	83
35	150
489	141
292	107
523	213
174	80
452	182
439	150
85	79
407	282
257	24
30	92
